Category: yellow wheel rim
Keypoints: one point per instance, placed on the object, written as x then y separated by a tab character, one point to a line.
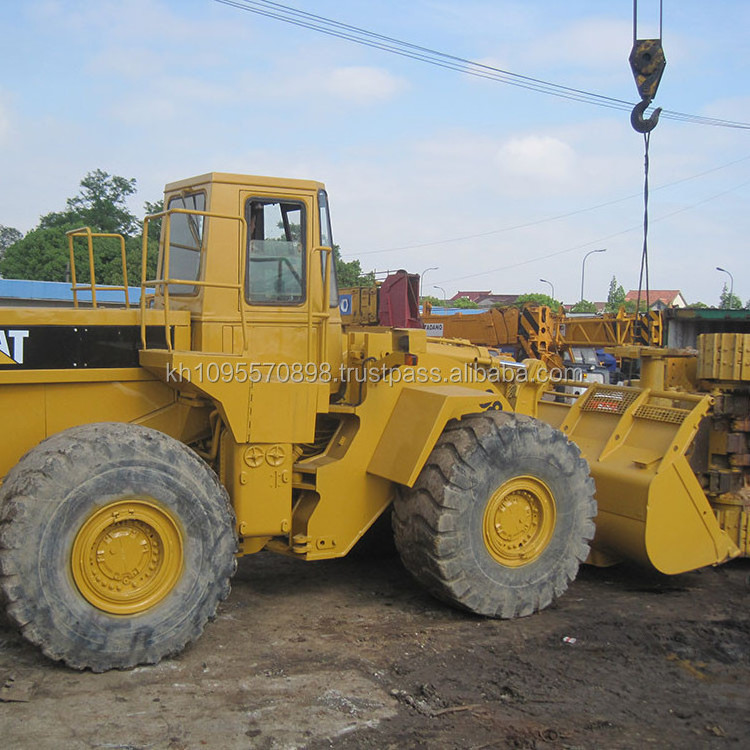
519	521
127	556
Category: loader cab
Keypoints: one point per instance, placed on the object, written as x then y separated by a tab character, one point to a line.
251	259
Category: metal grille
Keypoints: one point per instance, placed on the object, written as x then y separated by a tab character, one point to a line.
661	414
610	402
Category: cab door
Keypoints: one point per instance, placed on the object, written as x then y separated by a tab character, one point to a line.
289	367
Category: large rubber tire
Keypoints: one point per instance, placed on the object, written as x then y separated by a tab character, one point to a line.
73	492
482	467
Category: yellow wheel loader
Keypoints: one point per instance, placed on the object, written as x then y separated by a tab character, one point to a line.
228	412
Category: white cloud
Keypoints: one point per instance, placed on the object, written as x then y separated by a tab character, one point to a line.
143	22
170	99
586	44
362	84
356	85
47	10
127	62
169	89
472	19
151	108
537	157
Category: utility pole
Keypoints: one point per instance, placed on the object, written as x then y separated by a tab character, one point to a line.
551	285
445	296
583	265
731	284
421	279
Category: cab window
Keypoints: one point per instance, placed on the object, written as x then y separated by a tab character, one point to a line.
326	240
275	252
185	242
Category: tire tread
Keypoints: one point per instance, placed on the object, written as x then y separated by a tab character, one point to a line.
30	490
431	520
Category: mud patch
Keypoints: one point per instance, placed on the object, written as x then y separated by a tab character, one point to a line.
353	654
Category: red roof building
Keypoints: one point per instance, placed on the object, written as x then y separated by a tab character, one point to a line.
473	296
659	299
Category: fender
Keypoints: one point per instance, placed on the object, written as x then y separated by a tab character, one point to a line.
416	422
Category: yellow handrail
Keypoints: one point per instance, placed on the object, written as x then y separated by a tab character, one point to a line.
92	287
165	282
325	314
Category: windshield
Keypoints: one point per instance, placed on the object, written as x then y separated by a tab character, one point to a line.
275	253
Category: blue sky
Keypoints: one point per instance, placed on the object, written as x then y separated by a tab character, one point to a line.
414	157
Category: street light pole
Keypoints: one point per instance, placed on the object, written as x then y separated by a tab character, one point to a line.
731	284
445	296
552	286
421	278
583	265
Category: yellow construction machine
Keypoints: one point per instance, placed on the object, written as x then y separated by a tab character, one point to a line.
539	332
228	412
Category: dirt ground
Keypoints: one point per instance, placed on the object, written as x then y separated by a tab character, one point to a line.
352	654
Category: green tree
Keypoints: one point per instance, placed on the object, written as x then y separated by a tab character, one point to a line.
154	226
630	305
729	301
349	273
43	253
101	205
534	298
8	237
434	301
584	306
464	303
698	305
615	297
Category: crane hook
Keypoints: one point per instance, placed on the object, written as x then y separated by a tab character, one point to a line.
637	120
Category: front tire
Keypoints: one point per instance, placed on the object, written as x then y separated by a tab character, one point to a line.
500	517
116	546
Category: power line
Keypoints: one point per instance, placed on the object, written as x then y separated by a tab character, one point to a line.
601	240
547	219
358	35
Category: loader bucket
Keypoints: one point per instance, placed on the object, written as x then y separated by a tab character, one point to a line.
652	509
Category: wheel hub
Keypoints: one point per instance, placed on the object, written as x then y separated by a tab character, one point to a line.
127	556
519	521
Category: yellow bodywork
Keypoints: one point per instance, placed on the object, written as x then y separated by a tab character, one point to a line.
312	427
724	357
40	403
651	507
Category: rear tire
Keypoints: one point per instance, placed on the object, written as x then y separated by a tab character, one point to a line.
500	517
116	546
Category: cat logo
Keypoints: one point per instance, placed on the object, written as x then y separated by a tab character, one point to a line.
11	347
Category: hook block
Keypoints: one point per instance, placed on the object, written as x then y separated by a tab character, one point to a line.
647	61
